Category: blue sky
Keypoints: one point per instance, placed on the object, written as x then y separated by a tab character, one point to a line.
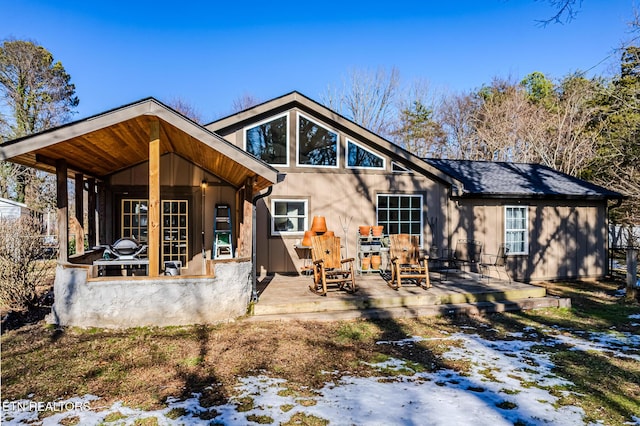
209	53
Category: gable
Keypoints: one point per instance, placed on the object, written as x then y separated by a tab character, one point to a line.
368	151
119	139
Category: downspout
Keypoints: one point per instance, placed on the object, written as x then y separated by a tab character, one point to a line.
254	261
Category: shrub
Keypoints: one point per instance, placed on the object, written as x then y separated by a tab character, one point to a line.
23	262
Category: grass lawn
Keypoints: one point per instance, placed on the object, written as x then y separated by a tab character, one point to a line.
142	367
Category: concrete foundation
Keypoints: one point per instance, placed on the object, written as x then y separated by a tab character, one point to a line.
122	302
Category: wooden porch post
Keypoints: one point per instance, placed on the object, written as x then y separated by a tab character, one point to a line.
246	228
79	231
154	198
91	212
62	203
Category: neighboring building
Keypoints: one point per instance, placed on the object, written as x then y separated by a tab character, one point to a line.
554	225
10	209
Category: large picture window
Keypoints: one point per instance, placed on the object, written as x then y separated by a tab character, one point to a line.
289	217
269	141
400	214
317	145
359	157
515	229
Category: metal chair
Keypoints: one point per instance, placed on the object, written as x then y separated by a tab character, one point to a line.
497	262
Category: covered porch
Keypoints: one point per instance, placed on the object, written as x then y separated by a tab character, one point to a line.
146	172
287	297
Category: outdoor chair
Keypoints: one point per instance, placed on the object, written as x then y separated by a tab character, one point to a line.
329	267
406	261
497	262
468	253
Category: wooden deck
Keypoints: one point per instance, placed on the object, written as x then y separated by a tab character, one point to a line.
284	298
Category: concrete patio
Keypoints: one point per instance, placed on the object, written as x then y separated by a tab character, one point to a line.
283	298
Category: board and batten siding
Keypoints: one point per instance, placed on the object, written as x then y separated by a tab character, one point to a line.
566	239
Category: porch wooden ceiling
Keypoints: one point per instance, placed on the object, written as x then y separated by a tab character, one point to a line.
122	144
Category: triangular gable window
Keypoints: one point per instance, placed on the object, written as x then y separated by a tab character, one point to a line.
358	157
269	141
397	168
317	145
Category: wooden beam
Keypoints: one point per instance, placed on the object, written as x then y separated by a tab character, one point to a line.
154	198
62	203
91	212
79	232
246	228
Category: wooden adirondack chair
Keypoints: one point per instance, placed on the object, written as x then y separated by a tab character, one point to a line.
329	267
406	261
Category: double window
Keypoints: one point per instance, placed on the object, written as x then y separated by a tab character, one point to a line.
175	226
516	219
400	214
289	217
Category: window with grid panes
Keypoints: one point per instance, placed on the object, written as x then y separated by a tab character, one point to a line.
134	220
400	214
515	229
175	231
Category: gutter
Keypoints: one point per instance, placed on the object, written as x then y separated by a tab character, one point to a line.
254	266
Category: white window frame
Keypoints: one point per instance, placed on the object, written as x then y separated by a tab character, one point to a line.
525	230
181	232
421	215
328	129
274	231
399	168
267	120
346	157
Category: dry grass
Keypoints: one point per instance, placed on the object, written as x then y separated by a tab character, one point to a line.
142	367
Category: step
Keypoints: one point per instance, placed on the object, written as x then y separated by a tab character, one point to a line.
355	302
454	309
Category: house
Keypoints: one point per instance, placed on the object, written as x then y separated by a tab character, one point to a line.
154	175
554	225
10	209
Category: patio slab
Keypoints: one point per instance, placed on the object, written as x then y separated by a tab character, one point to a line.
284	298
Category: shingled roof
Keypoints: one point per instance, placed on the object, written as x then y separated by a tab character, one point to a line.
500	179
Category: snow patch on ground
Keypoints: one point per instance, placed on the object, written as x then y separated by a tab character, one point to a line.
509	381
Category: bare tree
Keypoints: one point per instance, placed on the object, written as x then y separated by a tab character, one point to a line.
571	140
23	265
186	109
456	116
417	128
245	101
566	11
367	98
